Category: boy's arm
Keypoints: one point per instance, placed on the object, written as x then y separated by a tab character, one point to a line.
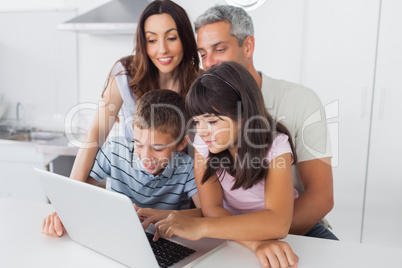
101	168
92	181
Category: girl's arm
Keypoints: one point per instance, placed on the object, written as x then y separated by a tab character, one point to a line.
151	215
99	130
269	252
210	193
271	223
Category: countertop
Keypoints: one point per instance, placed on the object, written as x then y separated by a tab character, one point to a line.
23	245
58	146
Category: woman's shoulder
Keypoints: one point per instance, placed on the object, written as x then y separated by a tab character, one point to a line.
121	66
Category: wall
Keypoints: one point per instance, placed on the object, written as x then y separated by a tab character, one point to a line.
278	28
38	66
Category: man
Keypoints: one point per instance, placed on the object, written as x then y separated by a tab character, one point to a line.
225	33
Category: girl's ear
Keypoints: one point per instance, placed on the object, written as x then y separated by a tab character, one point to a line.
248	46
183	143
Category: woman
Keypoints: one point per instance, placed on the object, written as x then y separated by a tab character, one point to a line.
165	57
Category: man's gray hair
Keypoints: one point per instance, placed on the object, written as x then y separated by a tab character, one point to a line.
240	21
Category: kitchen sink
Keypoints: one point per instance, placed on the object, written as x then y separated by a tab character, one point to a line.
27	134
36	136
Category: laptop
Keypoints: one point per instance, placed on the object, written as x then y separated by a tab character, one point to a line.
107	222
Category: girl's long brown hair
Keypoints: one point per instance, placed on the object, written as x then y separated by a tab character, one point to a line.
222	91
144	74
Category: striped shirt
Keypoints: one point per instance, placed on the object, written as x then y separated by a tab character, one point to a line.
125	174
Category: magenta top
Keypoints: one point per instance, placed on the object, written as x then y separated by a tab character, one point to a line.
241	201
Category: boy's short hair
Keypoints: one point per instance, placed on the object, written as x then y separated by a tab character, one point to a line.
163	110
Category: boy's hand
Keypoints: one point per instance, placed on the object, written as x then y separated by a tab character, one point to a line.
52	225
274	253
150	215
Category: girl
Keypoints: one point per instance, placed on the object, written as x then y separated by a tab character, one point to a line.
165	57
243	174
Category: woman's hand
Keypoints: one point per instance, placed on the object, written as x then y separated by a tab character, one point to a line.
274	253
150	215
178	224
52	225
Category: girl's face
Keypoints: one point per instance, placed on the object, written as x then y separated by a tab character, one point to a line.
219	133
164	47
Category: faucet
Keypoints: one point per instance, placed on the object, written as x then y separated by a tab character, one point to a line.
19	106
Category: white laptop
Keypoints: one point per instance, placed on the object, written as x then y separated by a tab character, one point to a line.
106	222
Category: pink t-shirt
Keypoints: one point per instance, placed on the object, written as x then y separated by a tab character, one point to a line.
241	201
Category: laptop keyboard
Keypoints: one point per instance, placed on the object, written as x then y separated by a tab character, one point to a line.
167	252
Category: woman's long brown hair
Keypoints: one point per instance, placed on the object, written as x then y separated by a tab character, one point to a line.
144	74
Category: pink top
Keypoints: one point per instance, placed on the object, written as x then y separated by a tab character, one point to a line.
241	201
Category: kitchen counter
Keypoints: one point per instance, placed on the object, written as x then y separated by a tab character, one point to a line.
58	146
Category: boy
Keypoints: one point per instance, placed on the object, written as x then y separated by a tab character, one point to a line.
149	170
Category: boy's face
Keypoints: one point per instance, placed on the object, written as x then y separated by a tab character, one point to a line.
155	148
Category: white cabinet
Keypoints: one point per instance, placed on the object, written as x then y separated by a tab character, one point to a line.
353	57
17	180
338	64
383	208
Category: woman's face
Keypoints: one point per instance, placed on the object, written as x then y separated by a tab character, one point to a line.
163	43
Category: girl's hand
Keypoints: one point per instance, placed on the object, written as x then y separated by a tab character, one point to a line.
274	253
178	224
150	215
52	225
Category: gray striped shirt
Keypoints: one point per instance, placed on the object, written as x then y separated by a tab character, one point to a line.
125	174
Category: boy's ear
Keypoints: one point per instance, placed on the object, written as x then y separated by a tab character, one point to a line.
183	143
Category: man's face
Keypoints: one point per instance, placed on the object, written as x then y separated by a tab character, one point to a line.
217	45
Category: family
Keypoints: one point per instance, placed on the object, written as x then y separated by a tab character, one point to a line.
221	152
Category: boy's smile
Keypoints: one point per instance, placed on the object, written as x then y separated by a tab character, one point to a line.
154	148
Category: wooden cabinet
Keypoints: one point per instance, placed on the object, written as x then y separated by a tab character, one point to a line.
383	206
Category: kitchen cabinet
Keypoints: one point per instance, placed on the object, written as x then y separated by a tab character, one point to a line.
338	64
383	206
17	160
353	58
